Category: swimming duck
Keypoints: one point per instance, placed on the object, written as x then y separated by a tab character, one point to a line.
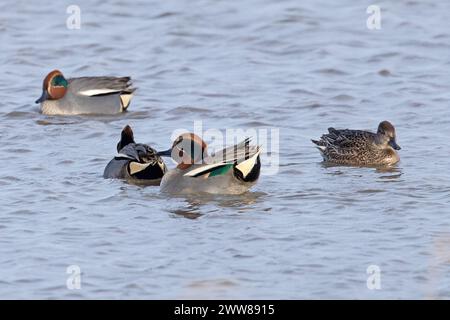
85	95
136	162
231	171
357	147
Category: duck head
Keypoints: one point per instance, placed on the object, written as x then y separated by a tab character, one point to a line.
386	135
186	150
127	137
54	86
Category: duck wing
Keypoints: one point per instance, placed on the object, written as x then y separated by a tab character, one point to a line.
234	154
144	162
221	161
343	139
97	86
138	152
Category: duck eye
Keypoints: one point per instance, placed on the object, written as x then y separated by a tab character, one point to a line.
181	152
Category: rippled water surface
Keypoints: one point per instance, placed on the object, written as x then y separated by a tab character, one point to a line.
310	231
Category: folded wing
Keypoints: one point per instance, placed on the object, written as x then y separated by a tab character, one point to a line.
97	86
221	161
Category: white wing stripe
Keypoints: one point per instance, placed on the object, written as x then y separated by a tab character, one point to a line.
95	92
122	155
202	169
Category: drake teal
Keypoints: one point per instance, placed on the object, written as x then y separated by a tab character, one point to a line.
85	95
135	162
361	148
233	170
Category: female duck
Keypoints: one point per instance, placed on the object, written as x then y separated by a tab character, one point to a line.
135	161
361	148
85	95
231	171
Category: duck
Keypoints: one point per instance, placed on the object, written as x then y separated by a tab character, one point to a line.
135	162
231	171
360	148
84	95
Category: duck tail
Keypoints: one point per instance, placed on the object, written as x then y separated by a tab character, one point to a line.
321	150
320	145
332	130
249	170
125	100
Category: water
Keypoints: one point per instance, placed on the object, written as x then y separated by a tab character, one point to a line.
311	231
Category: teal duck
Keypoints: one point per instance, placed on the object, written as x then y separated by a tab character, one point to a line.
361	148
233	170
135	162
85	95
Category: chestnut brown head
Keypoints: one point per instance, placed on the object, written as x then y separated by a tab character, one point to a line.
186	150
54	87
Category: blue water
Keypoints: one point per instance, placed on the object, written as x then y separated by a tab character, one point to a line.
310	231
